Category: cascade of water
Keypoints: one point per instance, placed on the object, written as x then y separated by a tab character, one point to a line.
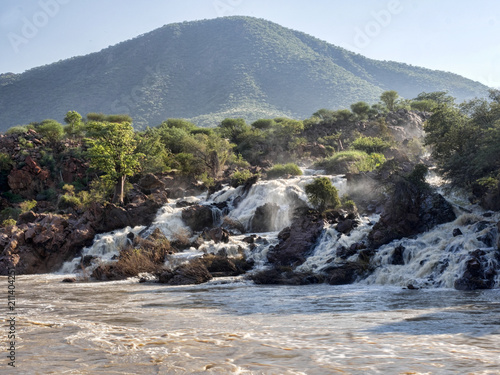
106	246
435	258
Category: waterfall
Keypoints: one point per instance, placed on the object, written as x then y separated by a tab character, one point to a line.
436	258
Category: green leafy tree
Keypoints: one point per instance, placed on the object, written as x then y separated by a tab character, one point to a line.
390	98
75	127
111	150
322	194
361	110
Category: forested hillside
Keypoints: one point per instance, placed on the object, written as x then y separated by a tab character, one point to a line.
209	70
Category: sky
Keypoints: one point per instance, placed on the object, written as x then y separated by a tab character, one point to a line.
460	36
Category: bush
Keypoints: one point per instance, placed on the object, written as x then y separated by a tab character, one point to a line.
352	161
370	144
27	206
240	177
51	130
5	162
17	130
8	223
69	201
12	198
348	204
280	170
322	194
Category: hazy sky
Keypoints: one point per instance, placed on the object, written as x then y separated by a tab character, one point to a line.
460	36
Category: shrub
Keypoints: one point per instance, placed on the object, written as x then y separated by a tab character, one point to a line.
8	223
322	194
69	201
51	130
27	206
352	161
17	130
12	198
348	204
370	144
240	177
5	162
280	170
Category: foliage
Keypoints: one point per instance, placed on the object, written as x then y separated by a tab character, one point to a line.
417	176
389	98
112	151
465	140
19	129
27	205
75	127
6	162
322	194
240	177
280	170
370	144
8	222
348	204
361	110
51	130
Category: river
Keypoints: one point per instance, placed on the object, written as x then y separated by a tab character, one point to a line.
230	326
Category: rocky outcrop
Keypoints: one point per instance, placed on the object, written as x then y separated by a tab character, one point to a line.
297	241
479	273
41	243
198	217
404	124
264	218
410	211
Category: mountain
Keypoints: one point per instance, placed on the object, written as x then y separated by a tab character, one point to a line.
212	69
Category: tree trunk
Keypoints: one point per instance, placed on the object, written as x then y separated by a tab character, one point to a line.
119	189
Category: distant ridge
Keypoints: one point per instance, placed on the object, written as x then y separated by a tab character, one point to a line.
212	69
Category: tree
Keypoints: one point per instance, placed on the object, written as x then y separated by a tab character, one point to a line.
322	194
112	151
361	109
75	126
389	98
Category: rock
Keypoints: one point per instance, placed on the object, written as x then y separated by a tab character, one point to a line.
217	235
69	280
397	256
283	276
297	241
457	232
150	182
220	266
264	218
345	226
341	274
194	272
478	273
410	211
27	217
198	217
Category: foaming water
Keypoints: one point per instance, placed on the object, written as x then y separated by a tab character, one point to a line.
232	326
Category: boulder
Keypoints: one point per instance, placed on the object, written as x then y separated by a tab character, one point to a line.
297	241
194	272
341	274
478	273
217	235
409	211
264	218
198	217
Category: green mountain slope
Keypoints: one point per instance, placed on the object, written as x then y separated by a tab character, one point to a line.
212	69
